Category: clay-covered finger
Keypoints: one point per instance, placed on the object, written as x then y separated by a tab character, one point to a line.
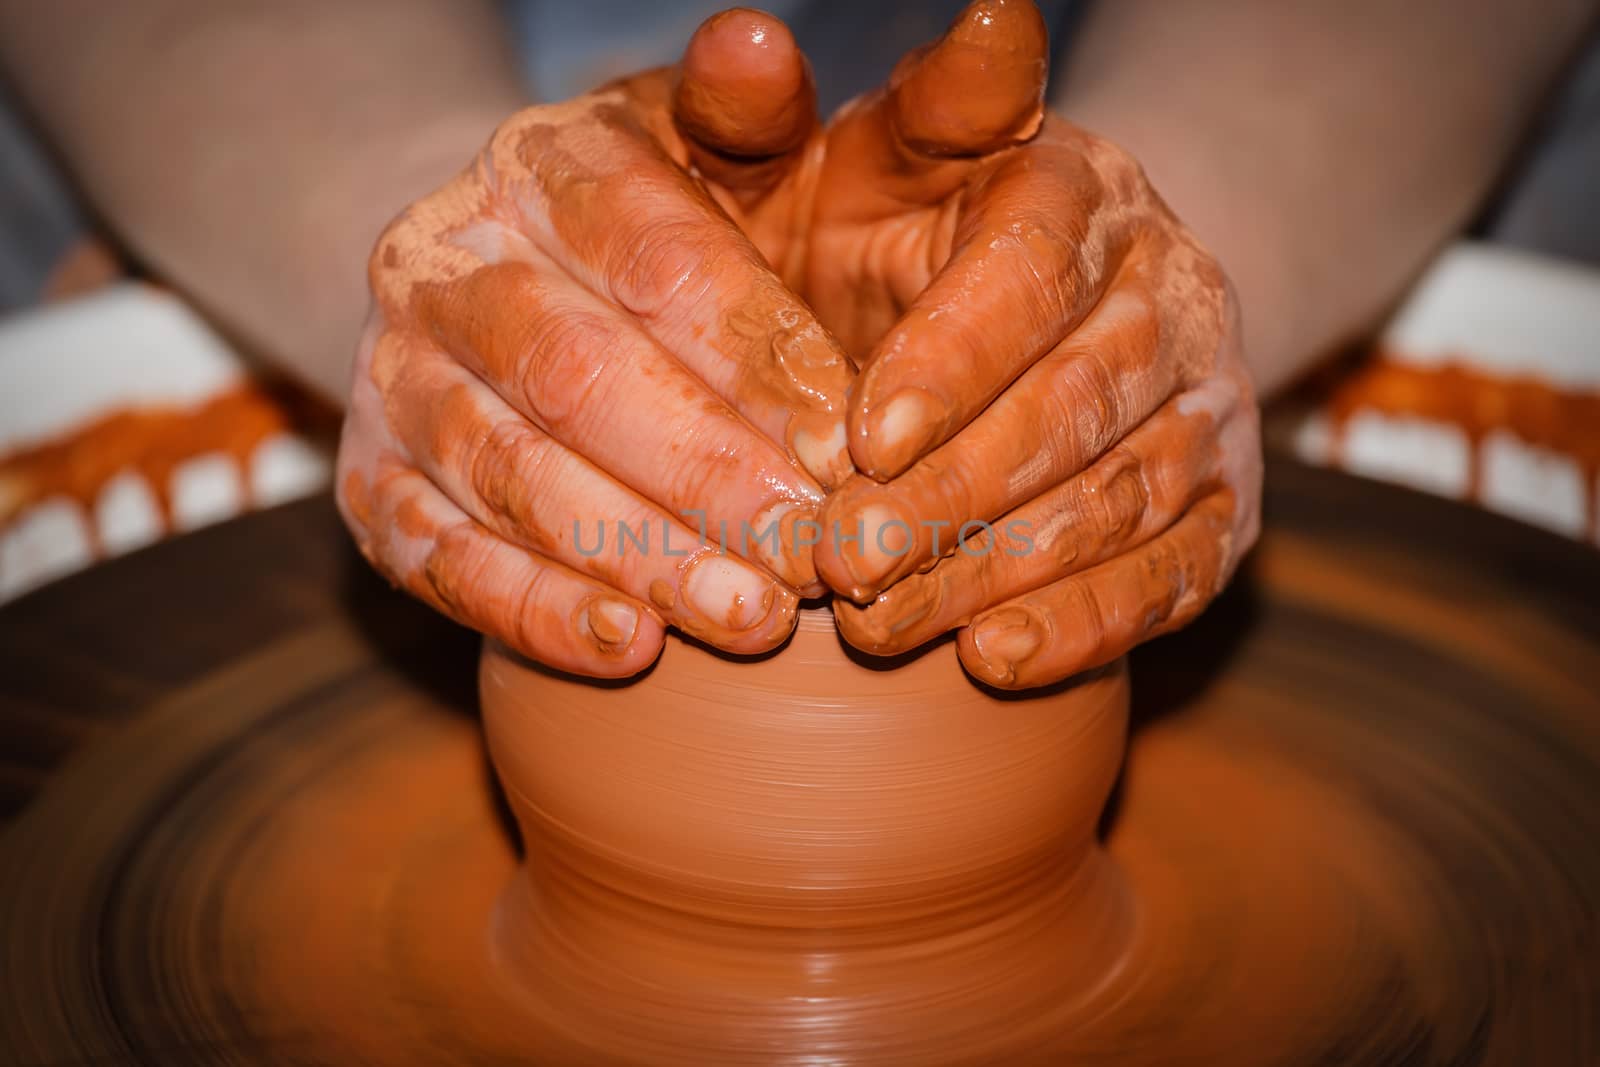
1065	411
618	215
527	488
980	87
1127	497
412	533
1092	618
1038	245
976	90
744	101
593	380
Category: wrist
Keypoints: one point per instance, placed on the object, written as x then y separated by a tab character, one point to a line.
340	217
1232	204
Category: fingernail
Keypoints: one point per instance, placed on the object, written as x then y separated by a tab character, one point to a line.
728	593
818	440
1005	639
612	622
886	541
902	430
781	537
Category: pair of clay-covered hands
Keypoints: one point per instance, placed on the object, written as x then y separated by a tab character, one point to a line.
675	354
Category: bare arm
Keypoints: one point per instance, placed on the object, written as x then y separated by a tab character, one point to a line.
1322	150
252	152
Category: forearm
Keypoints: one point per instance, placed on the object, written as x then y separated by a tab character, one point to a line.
1324	150
252	152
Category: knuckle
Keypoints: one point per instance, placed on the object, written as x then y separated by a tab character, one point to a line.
1049	280
1041	258
1171	577
1088	407
516	473
387	368
1120	494
495	470
562	365
412	245
398	241
1118	169
667	260
451	567
1088	615
521	135
700	475
441	438
535	486
509	135
530	613
394	251
951	490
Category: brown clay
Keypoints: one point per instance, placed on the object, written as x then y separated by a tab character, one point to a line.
730	860
1478	403
150	442
1355	825
728	857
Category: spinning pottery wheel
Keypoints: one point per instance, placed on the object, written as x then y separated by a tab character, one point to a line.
1356	823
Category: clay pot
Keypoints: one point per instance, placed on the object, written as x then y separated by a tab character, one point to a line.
810	849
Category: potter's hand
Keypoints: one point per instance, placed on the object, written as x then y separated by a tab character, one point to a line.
1055	356
573	346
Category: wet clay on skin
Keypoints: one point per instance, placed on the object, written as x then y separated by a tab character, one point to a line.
1044	350
583	274
692	244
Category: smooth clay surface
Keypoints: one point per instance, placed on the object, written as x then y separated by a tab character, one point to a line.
729	856
1355	824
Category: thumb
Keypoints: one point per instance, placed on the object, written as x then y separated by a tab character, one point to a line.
744	102
977	89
